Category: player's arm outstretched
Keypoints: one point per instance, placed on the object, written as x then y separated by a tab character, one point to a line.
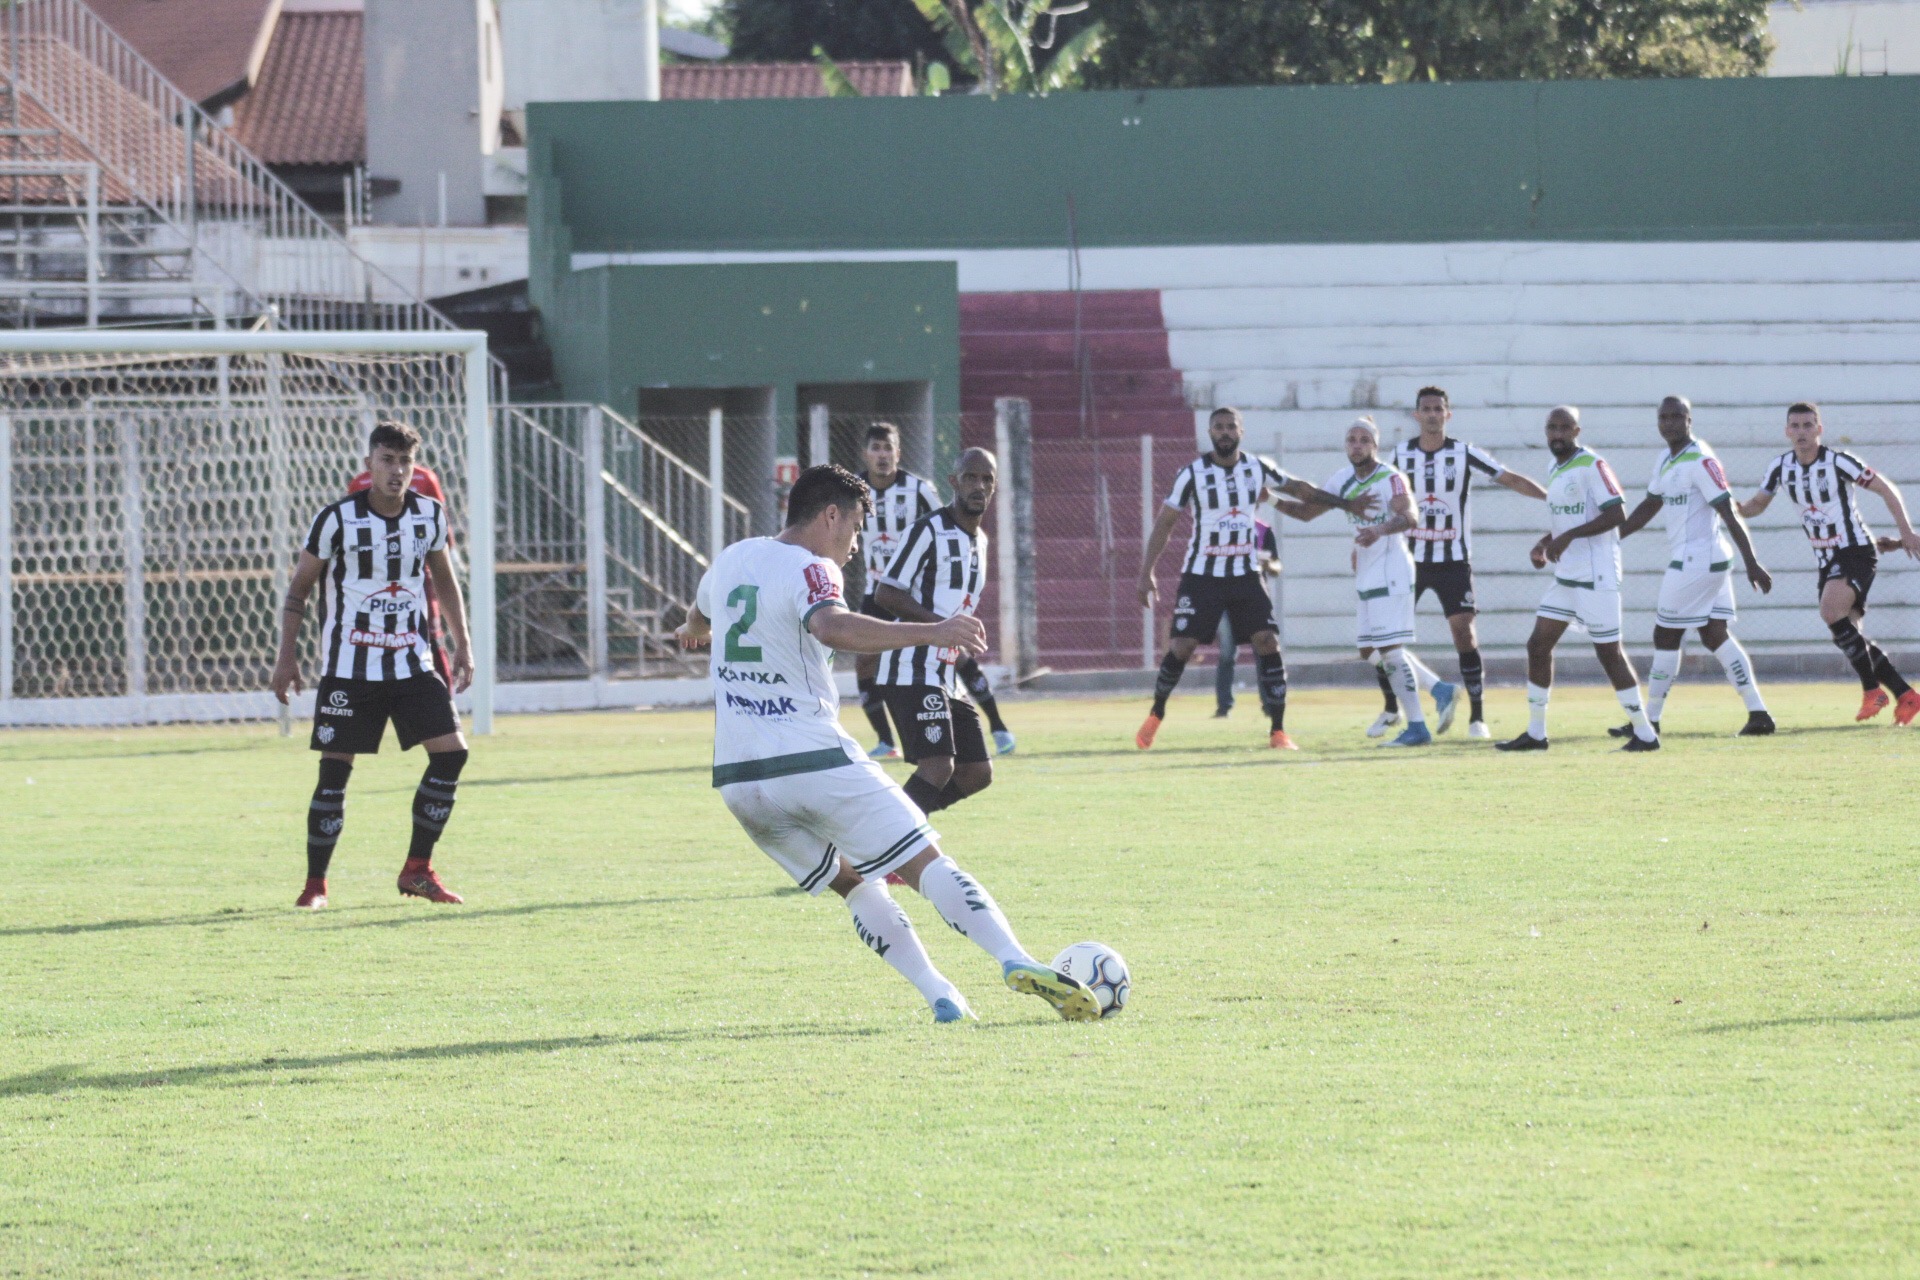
1637	519
847	632
1737	530
446	590
1908	541
293	611
1525	486
1320	501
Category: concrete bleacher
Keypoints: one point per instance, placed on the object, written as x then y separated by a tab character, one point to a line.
1305	338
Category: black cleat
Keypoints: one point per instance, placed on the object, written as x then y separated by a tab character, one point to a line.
1525	742
1640	744
1759	725
1626	730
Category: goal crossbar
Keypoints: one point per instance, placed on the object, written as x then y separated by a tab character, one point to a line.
471	345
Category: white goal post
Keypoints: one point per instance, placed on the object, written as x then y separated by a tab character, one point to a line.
154	485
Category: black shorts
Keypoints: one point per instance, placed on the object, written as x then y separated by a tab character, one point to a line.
931	723
1242	598
351	716
1452	582
873	610
1854	566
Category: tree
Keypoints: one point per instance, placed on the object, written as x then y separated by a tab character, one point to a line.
1021	46
1179	43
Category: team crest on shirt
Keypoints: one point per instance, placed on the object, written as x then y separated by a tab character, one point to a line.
933	733
324	734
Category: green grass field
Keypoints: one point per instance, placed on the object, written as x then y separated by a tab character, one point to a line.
1442	1013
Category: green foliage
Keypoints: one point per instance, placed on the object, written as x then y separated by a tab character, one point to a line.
849	30
1429	1014
1190	43
1016	45
838	85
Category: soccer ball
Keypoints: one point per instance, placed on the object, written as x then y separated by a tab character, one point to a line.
1098	966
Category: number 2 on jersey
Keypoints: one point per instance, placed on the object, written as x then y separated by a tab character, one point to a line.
747	597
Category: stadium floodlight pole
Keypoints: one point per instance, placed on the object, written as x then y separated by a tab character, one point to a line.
1147	636
470	345
717	484
1003	537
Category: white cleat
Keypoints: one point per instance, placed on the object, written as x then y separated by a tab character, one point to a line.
1478	729
1386	721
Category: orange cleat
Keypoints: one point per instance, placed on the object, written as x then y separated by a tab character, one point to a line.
1148	727
1281	742
314	896
1872	703
419	880
1907	708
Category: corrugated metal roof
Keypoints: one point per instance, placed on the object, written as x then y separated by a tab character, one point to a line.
309	105
682	80
205	47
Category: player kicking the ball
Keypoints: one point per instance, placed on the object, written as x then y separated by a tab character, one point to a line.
377	550
1821	482
1584	509
801	787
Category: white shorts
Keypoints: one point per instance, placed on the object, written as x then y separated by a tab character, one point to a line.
1595	609
1694	597
808	822
1385	620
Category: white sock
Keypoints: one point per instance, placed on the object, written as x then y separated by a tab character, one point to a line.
1666	665
1421	671
1630	699
971	910
1401	669
1537	695
884	927
1740	672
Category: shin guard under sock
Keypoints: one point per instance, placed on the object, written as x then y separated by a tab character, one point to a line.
1884	669
884	927
970	910
326	814
1172	667
433	802
930	798
1473	675
1271	670
1386	687
876	708
981	690
1858	650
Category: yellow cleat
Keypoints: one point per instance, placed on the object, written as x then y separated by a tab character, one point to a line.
1069	999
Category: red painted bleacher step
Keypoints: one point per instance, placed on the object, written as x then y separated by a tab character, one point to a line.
1022	344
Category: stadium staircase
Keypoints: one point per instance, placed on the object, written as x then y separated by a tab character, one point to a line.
1095	368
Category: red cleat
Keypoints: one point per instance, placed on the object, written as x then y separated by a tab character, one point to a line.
1907	708
894	877
1872	703
419	880
314	896
1143	738
1281	742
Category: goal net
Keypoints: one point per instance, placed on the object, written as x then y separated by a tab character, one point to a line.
154	490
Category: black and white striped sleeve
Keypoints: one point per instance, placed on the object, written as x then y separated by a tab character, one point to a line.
439	542
1182	495
929	500
1851	469
1775	474
1480	460
910	564
323	539
1272	476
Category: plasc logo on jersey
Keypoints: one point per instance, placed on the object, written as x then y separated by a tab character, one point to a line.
392	599
821	584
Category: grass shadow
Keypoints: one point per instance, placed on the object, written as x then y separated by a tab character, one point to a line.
521	781
1808	1020
539	908
66	1076
230	915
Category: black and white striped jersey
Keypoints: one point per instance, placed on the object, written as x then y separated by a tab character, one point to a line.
1824	491
896	509
1222	501
1441	482
944	568
376	586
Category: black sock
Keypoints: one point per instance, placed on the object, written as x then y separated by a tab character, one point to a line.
1858	652
930	798
981	689
433	802
1270	669
1172	667
1472	675
1883	668
876	708
951	795
326	813
1386	689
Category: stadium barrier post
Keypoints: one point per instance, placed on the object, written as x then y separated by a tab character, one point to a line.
593	456
6	557
480	528
134	551
717	482
819	436
1026	572
1003	538
279	484
1146	534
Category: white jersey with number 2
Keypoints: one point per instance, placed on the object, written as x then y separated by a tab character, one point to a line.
776	711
